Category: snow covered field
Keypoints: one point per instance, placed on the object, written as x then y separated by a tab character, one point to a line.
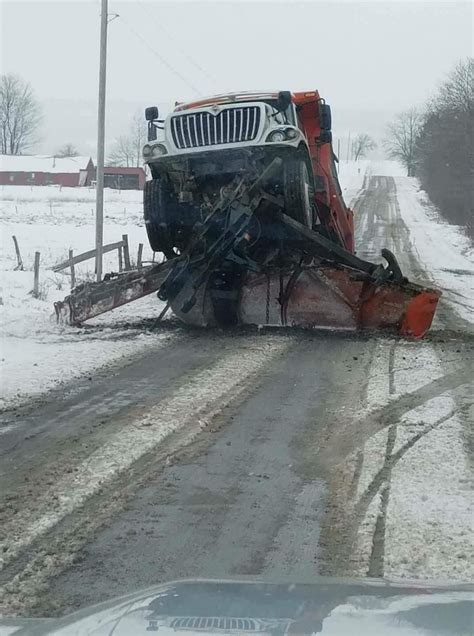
36	353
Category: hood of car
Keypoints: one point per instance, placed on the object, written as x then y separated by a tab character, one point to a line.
328	607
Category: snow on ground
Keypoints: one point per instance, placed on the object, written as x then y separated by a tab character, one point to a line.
211	390
53	220
387	169
446	252
429	514
421	460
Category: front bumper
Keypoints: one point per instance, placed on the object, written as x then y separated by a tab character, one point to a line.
221	161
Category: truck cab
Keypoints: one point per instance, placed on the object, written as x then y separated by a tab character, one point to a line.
205	146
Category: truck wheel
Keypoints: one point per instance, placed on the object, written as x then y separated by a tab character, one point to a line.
156	203
298	192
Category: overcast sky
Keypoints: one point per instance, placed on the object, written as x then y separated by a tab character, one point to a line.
377	56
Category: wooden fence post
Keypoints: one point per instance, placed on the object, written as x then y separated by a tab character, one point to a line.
73	271
120	259
85	256
139	256
18	256
36	278
126	253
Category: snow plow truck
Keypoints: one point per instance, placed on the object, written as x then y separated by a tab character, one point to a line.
244	202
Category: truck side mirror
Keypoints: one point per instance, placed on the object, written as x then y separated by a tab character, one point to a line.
325	115
151	114
284	100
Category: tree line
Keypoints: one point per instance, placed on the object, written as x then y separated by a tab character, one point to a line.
436	144
21	118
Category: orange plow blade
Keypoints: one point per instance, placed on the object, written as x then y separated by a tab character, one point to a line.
338	299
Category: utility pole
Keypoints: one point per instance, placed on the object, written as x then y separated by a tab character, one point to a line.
338	153
99	199
348	147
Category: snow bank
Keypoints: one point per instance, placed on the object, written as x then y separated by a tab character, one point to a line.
444	249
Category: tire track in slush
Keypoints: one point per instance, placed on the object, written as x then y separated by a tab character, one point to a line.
206	393
376	560
345	440
380	201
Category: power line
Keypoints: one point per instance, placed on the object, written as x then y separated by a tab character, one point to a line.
160	57
179	49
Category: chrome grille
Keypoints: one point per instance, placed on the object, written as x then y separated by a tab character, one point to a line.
231	125
219	622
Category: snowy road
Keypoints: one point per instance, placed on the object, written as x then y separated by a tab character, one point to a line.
273	455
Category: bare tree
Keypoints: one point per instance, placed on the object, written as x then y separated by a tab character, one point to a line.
127	149
457	93
402	138
68	150
20	115
361	145
445	152
122	152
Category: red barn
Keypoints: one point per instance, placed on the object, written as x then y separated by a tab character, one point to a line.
45	170
124	178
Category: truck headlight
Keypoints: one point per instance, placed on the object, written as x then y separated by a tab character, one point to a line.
158	150
282	134
276	136
154	150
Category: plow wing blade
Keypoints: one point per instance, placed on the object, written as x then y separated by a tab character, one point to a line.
338	299
92	299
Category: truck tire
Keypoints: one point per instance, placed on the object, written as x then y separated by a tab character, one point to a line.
156	204
298	192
